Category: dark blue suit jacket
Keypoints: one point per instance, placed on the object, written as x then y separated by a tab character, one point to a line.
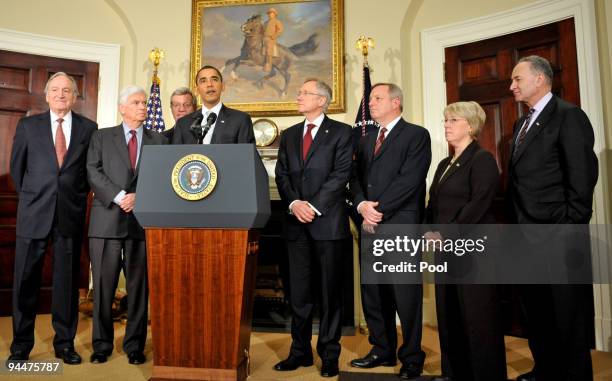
553	173
232	127
396	176
321	179
44	189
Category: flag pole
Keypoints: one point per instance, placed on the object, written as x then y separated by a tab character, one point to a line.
155	56
155	120
363	44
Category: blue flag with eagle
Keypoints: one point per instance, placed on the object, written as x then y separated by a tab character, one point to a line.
155	120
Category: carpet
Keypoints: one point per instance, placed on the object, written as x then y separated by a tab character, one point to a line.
361	376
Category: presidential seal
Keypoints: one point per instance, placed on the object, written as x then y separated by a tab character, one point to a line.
194	177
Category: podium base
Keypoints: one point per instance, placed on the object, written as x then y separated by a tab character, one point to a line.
201	285
172	373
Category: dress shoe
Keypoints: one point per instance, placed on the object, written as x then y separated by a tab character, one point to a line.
529	376
17	356
69	356
372	360
292	363
98	357
410	371
329	368
136	358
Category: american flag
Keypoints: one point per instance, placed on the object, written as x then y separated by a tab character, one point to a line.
364	123
155	120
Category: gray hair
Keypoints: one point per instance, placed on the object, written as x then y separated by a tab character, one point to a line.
184	91
323	89
128	91
473	114
540	65
394	92
75	89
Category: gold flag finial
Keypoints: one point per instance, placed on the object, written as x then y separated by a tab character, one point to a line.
156	55
362	44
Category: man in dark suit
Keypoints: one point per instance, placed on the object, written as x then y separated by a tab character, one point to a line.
552	174
230	126
48	170
116	239
388	187
182	102
313	168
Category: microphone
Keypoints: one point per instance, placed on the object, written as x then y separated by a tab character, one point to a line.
196	127
212	117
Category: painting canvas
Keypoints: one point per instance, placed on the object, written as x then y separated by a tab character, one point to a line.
231	35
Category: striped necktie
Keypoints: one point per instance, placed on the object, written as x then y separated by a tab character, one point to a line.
523	131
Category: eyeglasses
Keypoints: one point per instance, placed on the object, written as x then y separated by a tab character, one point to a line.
452	120
300	93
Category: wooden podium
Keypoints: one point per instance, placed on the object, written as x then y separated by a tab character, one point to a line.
202	258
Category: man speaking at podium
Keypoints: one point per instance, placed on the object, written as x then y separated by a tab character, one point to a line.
313	168
213	123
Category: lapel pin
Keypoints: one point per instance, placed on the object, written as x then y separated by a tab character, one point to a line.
326	131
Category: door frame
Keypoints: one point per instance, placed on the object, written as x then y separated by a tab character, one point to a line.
107	55
435	40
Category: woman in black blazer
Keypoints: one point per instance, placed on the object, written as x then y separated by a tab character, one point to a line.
469	316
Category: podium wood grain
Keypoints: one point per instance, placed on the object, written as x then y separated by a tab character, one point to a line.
201	290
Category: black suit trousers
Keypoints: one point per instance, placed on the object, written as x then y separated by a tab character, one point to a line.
106	264
311	261
380	304
29	260
471	332
559	326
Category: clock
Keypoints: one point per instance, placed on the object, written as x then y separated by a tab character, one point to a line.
265	132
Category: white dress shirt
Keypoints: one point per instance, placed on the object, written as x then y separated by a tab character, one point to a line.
538	107
205	112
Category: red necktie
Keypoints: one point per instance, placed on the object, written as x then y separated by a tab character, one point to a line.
133	148
307	140
380	140
60	143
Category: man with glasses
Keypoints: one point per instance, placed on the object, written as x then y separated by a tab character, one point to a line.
182	102
313	168
48	170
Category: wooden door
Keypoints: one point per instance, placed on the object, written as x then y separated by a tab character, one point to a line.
22	82
481	71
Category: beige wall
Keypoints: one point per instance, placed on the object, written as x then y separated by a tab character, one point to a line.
604	31
395	28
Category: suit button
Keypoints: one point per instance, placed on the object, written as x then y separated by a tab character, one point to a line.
369	185
303	178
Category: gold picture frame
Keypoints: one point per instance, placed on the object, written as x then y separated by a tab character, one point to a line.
229	32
